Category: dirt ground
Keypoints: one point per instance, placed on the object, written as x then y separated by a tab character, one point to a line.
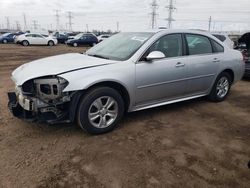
189	144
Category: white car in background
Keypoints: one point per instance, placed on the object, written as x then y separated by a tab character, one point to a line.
225	39
36	39
102	37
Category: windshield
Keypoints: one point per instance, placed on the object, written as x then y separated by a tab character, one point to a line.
78	36
120	46
6	34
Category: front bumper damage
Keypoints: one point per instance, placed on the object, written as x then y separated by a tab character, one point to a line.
34	110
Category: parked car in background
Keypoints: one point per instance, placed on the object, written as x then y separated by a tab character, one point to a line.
7	38
61	38
36	39
125	73
83	39
102	37
72	35
244	47
225	39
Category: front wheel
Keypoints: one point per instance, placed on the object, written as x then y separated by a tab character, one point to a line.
5	41
100	110
75	44
221	88
51	43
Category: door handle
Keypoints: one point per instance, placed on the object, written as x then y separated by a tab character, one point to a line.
216	60
179	64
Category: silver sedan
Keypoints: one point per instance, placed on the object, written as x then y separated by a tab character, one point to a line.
125	73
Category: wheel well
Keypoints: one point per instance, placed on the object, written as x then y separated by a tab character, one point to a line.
231	73
119	88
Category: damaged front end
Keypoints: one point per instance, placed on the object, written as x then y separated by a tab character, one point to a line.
42	100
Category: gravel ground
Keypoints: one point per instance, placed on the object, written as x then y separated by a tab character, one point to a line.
189	144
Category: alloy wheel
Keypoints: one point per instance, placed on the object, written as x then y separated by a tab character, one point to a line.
222	87
103	112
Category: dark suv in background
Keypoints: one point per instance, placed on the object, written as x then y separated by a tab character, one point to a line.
83	39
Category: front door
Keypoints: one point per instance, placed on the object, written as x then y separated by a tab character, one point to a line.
165	78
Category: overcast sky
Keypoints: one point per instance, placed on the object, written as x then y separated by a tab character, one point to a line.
131	14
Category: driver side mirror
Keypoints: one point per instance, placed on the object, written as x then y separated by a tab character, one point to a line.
155	55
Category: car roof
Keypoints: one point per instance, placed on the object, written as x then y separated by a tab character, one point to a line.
194	31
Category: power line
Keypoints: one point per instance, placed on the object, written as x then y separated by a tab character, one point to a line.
171	9
153	14
70	17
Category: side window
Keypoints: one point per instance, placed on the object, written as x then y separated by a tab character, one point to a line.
39	36
170	45
217	48
198	44
220	37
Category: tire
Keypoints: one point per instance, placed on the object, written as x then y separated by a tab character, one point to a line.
103	119
5	41
93	44
221	88
25	43
51	43
75	44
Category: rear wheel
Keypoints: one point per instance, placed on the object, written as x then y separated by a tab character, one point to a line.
221	87
25	43
100	110
51	43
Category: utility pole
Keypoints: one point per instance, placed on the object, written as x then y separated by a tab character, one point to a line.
117	26
8	22
171	9
70	17
57	19
35	24
25	22
87	27
154	7
18	28
209	23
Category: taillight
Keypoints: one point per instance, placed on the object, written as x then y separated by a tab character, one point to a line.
245	56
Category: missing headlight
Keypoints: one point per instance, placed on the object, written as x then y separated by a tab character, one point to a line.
50	88
45	88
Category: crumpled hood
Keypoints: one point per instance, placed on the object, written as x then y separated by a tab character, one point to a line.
55	65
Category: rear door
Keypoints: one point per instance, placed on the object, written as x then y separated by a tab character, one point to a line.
202	65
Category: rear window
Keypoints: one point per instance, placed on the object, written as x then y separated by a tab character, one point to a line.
222	38
217	48
198	44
